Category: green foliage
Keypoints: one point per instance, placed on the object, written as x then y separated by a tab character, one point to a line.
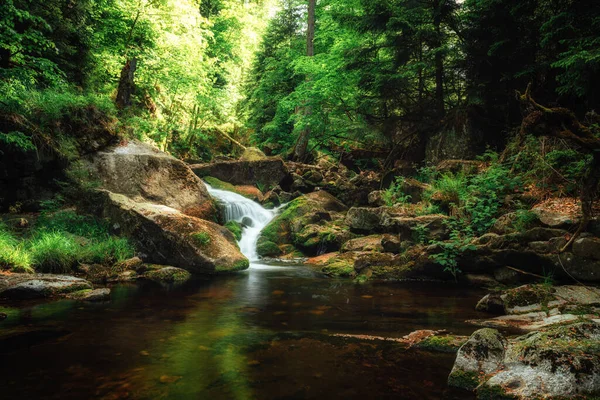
12	254
394	194
451	250
235	228
420	234
54	252
201	238
524	219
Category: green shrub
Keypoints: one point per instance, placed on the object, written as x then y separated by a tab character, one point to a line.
394	194
201	238
54	252
524	220
449	188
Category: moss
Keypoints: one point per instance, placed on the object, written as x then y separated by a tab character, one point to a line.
528	295
444	344
339	268
494	392
219	184
80	294
463	379
266	248
200	238
169	275
235	228
240	265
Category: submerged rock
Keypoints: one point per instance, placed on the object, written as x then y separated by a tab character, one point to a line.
145	174
166	274
35	286
95	295
167	236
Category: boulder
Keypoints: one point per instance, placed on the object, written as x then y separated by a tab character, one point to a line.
307	222
483	354
266	173
491	303
252	154
588	247
555	219
35	286
395	220
145	174
376	198
166	274
559	363
167	236
92	296
368	243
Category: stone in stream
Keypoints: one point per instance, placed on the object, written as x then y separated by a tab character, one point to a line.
169	237
558	363
92	296
35	286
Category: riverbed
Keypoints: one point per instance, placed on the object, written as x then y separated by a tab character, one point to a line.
267	333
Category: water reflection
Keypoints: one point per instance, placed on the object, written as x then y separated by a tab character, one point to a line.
261	334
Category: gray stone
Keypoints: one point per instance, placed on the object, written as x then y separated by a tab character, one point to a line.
268	173
587	248
554	219
170	237
33	286
506	275
145	174
491	303
482	354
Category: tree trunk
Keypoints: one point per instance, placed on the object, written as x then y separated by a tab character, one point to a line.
4	58
126	84
303	138
439	62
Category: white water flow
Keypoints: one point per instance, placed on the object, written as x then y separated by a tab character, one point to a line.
250	214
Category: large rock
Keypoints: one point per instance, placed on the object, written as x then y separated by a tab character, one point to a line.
146	174
167	236
483	354
395	220
266	173
560	363
312	222
28	286
587	248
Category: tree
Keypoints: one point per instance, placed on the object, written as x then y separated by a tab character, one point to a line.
302	143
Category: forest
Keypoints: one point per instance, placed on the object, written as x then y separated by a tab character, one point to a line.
333	153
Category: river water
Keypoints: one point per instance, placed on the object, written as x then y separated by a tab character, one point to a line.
266	333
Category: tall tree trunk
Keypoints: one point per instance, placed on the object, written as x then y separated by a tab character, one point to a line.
302	143
126	84
439	61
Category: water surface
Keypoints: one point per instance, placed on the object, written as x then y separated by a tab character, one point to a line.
262	334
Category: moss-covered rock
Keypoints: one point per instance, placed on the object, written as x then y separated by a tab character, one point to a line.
442	344
266	173
308	224
481	355
266	248
248	191
166	274
235	228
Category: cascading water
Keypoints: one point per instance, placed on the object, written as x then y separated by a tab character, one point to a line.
251	215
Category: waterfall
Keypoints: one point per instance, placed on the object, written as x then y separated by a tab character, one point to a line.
250	214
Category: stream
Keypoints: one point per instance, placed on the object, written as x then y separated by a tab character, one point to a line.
266	333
